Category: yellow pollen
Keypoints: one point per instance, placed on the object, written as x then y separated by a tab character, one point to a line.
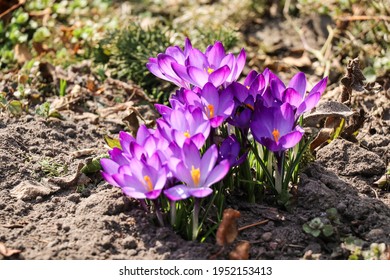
148	183
210	70
250	106
187	134
195	174
210	110
276	134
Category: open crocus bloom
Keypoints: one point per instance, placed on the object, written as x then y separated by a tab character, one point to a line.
141	179
230	150
192	67
274	127
196	172
181	126
217	106
295	94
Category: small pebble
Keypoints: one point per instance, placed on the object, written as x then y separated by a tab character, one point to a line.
129	243
74	197
71	133
375	233
132	252
266	236
341	207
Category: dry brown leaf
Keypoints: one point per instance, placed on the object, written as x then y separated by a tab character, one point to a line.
228	230
241	252
7	252
322	137
325	110
22	53
131	122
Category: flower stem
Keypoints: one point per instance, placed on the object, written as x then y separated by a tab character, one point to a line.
279	170
158	213
173	212
195	219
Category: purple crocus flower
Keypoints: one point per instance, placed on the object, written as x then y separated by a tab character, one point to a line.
244	105
295	94
230	150
192	67
217	106
274	127
181	126
257	83
142	178
196	172
161	66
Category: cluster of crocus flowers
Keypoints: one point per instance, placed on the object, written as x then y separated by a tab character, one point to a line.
193	146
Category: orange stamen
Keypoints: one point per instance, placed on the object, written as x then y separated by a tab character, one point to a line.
210	70
148	183
187	134
195	174
250	107
210	110
276	134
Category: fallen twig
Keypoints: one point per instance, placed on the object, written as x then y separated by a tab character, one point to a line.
12	8
253	225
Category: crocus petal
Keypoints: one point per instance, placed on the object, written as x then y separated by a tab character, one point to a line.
125	139
165	63
198	76
187	47
116	155
215	54
240	63
108	177
218	173
155	69
176	53
216	121
289	140
182	173
210	94
163	110
133	193
207	162
198	139
191	155
181	72
142	133
277	87
200	192
177	193
250	78
270	144
196	59
109	166
218	77
292	97
178	120
284	118
298	82
309	103
127	181
153	194
320	86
